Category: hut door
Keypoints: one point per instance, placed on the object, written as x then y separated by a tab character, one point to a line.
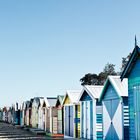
91	119
82	116
71	120
112	119
43	118
137	110
87	124
59	121
67	120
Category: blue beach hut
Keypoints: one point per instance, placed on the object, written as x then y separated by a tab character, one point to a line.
114	99
91	112
132	72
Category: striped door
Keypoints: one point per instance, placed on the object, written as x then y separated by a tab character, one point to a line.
71	120
59	121
87	124
67	120
77	121
112	119
82	120
91	119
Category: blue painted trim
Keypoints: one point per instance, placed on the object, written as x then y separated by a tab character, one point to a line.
128	67
107	83
85	97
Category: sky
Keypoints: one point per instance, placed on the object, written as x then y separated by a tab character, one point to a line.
46	46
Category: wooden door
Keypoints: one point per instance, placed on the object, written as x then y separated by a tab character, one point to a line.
112	119
71	120
87	124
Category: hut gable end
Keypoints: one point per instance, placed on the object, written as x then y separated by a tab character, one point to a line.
67	100
85	97
110	93
131	63
136	69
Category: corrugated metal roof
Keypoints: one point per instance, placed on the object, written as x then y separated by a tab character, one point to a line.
50	101
94	90
120	86
59	100
73	95
41	100
61	97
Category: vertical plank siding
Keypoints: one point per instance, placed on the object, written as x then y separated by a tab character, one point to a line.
99	121
134	102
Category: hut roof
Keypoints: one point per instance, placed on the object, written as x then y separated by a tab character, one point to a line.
131	62
73	96
50	101
121	87
59	100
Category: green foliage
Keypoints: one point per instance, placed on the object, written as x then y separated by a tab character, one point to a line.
98	79
124	61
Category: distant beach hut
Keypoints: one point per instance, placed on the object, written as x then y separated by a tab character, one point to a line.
5	114
114	99
23	114
60	124
51	116
35	113
28	110
41	115
91	112
17	114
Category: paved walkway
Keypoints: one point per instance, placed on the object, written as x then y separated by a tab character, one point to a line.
10	132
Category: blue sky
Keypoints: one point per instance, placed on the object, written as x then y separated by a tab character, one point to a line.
46	46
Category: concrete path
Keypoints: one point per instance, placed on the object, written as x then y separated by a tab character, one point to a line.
10	132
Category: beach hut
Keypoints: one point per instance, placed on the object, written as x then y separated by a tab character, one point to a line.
51	116
9	110
28	113
1	113
114	99
132	72
60	124
35	113
23	110
71	114
17	114
5	114
91	112
41	115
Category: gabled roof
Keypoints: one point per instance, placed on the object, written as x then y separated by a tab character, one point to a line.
59	99
41	101
121	87
30	102
37	101
73	96
94	91
131	62
50	101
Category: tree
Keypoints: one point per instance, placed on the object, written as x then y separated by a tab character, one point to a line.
89	79
109	69
124	61
94	79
